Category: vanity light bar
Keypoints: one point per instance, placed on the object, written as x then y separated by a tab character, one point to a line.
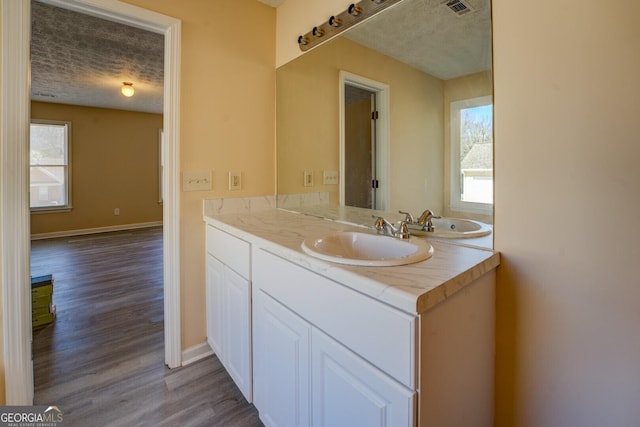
355	13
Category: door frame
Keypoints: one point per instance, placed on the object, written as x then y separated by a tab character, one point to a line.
15	88
382	134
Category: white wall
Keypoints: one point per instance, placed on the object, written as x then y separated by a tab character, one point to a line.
567	83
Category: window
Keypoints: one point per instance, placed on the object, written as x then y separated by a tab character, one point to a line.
49	155
472	155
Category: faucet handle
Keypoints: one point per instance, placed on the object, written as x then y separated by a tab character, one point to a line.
407	217
379	224
403	231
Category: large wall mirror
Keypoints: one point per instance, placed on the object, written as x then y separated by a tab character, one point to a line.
425	67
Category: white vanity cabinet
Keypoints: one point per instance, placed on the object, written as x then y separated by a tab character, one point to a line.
303	376
228	305
332	345
348	391
282	363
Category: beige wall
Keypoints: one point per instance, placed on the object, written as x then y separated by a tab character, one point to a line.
114	157
308	123
566	190
227	120
566	196
467	87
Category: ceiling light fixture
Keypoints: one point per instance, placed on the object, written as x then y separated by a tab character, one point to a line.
127	89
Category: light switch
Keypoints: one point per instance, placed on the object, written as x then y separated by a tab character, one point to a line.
330	177
196	181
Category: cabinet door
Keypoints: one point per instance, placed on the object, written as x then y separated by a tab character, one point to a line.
281	364
214	304
348	391
237	330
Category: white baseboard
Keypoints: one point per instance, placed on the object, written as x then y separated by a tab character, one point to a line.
195	353
83	231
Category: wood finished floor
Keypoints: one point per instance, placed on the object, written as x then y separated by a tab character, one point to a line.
102	360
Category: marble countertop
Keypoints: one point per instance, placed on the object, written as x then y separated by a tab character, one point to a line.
413	288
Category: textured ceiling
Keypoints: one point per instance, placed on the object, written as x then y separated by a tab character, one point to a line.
427	35
83	60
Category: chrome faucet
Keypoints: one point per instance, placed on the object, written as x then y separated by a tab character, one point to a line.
385	227
424	221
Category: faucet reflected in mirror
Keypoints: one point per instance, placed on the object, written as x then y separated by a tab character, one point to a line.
423	79
424	221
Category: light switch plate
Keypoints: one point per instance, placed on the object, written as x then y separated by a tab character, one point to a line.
330	177
196	181
235	181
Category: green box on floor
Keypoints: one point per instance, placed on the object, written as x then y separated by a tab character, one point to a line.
41	291
43	319
42	309
39	311
39	281
47	279
39	302
41	286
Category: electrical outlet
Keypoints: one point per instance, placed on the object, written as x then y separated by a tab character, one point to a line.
308	179
116	211
235	181
330	177
196	181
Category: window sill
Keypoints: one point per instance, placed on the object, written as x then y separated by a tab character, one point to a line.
62	209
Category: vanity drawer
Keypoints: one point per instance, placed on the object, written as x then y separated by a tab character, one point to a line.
231	251
380	334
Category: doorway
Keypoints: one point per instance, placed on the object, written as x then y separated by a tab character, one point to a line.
108	157
364	142
14	142
361	182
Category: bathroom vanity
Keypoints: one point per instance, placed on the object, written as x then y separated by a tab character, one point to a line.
312	342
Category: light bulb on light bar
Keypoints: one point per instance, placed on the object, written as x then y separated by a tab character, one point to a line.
354	10
355	13
335	22
127	89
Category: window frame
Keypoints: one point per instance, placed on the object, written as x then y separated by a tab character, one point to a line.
67	168
455	202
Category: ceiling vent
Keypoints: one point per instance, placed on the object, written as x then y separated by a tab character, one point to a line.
459	7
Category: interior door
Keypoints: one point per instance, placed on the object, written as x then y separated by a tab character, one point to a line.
360	147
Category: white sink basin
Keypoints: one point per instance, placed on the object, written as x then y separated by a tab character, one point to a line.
355	248
454	228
